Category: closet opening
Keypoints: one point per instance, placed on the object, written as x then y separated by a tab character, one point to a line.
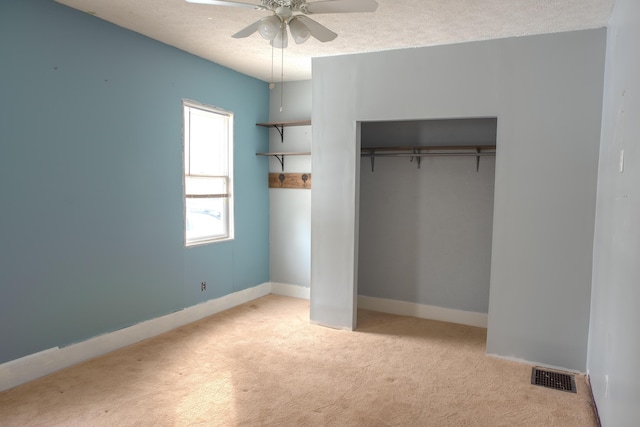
426	191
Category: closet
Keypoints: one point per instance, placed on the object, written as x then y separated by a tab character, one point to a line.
426	211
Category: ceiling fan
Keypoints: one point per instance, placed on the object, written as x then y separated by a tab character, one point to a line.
293	14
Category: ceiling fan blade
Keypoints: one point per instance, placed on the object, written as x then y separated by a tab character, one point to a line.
341	6
227	3
246	32
317	30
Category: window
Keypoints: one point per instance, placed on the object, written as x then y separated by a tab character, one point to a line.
208	174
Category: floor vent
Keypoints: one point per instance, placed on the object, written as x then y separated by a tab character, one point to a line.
551	379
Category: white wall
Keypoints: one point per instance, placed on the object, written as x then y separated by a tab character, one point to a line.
546	92
614	341
290	209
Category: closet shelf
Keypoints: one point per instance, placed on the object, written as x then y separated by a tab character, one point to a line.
281	154
279	126
418	152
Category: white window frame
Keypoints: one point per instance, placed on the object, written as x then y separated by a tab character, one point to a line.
226	216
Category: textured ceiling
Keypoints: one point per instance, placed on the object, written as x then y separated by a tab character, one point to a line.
206	30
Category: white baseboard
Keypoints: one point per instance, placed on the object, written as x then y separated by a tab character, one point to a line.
287	290
423	311
19	371
540	365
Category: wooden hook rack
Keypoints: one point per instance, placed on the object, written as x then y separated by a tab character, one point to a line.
290	180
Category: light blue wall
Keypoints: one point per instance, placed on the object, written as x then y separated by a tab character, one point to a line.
91	221
614	341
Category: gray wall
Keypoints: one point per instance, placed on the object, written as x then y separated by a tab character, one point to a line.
614	341
425	233
546	92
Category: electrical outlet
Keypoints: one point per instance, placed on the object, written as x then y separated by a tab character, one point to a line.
203	286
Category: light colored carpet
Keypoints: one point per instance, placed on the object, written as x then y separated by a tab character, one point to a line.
263	363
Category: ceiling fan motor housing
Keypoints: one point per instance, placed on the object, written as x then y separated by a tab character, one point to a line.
297	5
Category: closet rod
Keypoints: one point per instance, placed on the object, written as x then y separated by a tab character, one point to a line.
424	154
419	152
431	148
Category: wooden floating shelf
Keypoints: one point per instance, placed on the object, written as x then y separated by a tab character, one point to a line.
285	153
290	180
285	124
281	154
279	126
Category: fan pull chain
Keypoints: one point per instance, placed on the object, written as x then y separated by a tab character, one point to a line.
282	80
272	84
282	71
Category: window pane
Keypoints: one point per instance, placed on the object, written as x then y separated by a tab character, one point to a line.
207	143
208	169
205	218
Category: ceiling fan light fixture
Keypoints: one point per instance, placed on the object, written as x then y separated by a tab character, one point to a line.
299	31
270	27
280	41
274	27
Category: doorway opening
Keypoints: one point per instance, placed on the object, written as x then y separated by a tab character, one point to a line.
426	191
